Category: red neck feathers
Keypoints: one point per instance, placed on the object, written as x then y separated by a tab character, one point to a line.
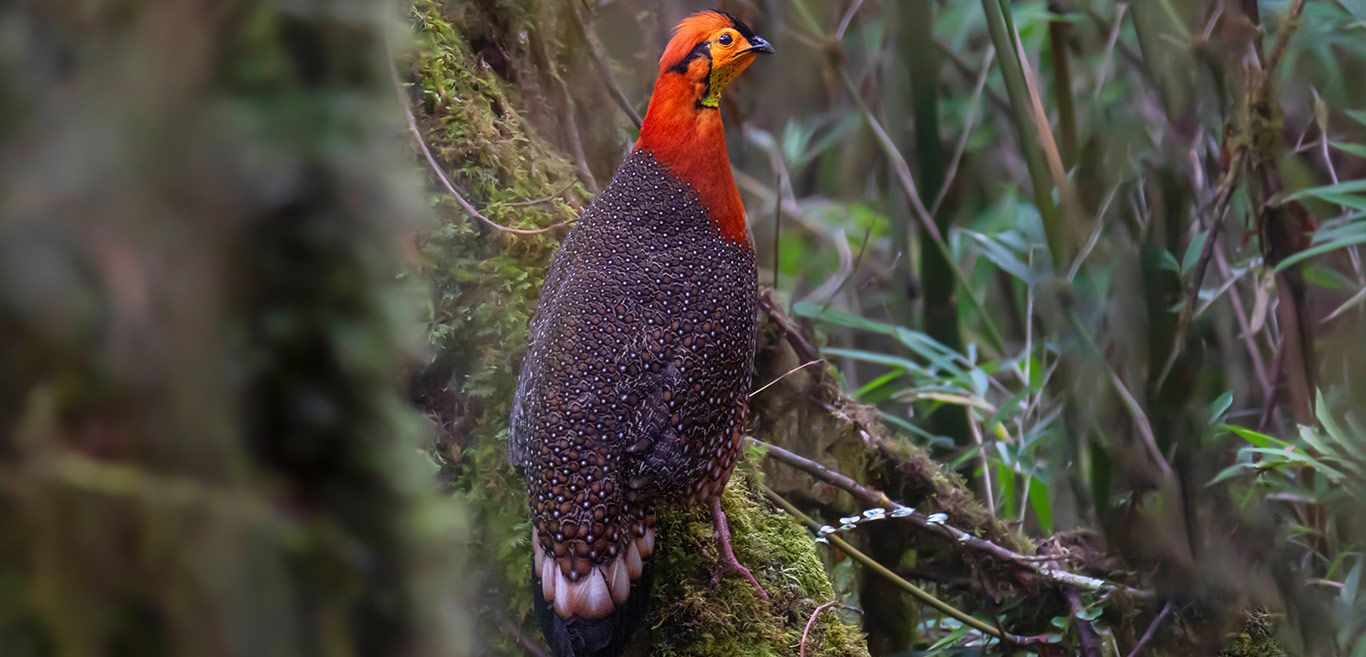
691	143
683	125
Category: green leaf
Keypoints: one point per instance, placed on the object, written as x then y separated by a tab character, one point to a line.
1286	456
1193	251
1008	409
1328	278
841	318
1169	262
879	382
1232	471
1352	585
1352	149
1215	412
1350	239
877	358
1001	256
1344	443
1005	477
1254	437
1358	115
932	350
1339	194
1039	499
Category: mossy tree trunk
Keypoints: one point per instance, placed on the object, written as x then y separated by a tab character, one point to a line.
202	451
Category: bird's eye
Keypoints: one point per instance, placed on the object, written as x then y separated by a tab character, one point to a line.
724	39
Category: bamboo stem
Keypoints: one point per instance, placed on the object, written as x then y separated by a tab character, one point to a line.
1011	70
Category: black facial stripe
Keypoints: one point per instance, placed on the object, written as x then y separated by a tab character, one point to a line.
702	49
739	26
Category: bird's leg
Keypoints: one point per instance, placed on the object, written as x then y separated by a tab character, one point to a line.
726	561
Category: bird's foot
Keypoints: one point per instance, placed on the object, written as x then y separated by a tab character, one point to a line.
726	562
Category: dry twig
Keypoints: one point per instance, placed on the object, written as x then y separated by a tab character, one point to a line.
1152	628
436	167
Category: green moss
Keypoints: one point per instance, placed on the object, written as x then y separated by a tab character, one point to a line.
1256	640
484	284
691	616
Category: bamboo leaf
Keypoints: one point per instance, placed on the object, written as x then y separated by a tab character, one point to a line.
1351	149
878	358
1193	251
1352	585
1215	412
1256	438
1232	471
1332	193
1043	507
1351	239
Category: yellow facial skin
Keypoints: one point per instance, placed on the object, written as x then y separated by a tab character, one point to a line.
727	61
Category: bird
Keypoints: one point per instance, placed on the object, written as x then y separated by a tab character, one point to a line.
634	389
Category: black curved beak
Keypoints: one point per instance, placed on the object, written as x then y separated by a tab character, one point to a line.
757	44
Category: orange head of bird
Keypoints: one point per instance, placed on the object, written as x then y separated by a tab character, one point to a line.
710	48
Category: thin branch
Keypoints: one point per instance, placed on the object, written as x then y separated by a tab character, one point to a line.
599	60
1092	241
853	269
1283	37
801	647
874	497
1221	202
562	190
848	17
1108	60
915	591
899	165
785	375
986	465
1272	394
1145	428
803	348
1244	327
1152	628
968	122
922	215
1086	633
436	167
966	69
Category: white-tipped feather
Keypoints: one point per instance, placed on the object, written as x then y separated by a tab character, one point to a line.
548	573
647	543
633	563
561	594
618	580
536	546
590	597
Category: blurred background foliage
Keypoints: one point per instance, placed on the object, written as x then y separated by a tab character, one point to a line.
1085	276
202	447
1100	259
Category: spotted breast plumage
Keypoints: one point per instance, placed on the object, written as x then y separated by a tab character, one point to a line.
634	389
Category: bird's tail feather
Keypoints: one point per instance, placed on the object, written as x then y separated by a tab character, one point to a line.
603	636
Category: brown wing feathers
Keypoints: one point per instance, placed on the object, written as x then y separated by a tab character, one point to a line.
634	387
